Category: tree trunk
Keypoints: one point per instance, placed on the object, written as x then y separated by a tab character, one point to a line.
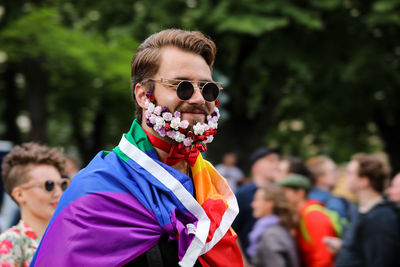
37	85
11	105
390	133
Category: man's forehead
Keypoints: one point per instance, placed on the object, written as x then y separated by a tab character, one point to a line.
183	64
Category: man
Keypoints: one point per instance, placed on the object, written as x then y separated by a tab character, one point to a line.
394	189
313	225
373	237
325	176
264	164
153	200
228	169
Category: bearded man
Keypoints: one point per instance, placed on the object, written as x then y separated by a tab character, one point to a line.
153	200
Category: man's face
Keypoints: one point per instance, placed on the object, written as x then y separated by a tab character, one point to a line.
293	196
352	177
266	168
178	64
394	189
331	174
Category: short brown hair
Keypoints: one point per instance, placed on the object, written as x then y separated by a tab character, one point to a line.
282	207
316	166
146	61
18	162
373	168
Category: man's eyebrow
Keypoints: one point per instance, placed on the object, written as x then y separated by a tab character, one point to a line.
187	79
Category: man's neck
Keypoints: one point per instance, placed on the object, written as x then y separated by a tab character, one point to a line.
300	204
323	186
182	166
367	199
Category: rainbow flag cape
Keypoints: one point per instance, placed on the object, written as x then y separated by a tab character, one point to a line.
121	204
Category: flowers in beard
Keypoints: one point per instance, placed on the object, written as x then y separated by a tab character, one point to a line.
169	124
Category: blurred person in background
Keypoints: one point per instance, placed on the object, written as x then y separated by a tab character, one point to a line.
313	224
291	165
394	189
372	238
230	171
72	166
264	164
325	176
271	243
32	177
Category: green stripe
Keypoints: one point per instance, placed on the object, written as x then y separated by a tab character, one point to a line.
137	137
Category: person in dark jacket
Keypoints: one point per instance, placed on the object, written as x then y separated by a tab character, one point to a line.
373	237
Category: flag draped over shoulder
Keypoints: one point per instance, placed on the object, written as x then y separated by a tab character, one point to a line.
123	201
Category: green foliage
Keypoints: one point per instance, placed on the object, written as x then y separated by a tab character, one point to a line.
312	76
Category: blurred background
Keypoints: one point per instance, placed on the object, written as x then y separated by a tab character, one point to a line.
310	76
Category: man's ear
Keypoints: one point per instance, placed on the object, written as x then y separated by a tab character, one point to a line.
365	182
18	195
140	94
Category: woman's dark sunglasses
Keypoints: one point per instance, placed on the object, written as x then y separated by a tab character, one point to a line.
49	185
185	89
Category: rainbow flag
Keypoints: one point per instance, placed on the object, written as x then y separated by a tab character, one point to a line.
125	200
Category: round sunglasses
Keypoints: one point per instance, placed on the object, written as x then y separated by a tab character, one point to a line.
185	88
49	185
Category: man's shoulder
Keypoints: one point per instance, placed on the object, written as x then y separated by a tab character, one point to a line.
385	211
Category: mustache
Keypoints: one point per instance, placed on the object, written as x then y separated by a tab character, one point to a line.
194	109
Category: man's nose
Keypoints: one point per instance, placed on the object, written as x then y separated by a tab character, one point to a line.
197	97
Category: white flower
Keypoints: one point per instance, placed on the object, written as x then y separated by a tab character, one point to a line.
179	137
198	129
167	116
188	141
147	113
184	124
213	125
175	123
160	122
151	107
206	127
209	117
157	110
146	103
209	139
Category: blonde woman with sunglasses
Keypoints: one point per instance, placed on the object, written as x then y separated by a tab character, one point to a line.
31	175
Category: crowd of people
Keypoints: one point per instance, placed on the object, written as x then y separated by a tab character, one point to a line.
326	230
155	201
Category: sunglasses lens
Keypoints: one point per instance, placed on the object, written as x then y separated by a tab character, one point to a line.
210	92
64	185
185	90
49	186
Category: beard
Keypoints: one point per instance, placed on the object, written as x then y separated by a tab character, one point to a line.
196	132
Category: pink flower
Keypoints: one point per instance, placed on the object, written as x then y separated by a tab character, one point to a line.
170	134
153	119
5	263
177	114
157	110
167	116
5	246
187	141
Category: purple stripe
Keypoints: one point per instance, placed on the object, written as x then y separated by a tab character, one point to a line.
100	229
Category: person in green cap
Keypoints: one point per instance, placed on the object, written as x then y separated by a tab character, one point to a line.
313	222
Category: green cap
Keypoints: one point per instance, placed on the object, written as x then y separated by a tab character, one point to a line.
296	181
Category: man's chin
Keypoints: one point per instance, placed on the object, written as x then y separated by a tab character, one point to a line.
193	119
